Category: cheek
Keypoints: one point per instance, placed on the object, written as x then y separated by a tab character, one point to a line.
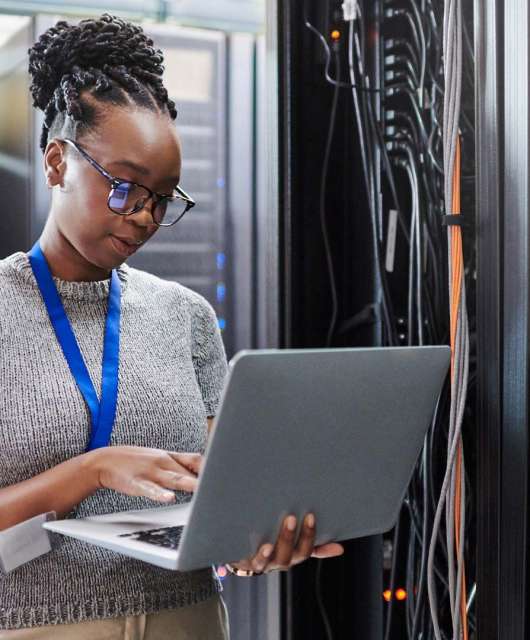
84	211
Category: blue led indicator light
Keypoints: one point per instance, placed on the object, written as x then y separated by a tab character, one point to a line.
221	292
222	323
221	260
221	183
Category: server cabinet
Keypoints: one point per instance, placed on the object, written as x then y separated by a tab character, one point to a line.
16	134
225	248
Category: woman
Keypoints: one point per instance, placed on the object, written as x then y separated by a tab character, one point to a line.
62	448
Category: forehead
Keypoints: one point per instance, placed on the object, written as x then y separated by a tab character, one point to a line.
140	136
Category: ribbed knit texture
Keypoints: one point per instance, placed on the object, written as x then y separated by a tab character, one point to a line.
172	369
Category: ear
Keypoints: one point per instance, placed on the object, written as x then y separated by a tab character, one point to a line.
54	163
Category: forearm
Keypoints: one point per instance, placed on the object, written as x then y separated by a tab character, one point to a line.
58	489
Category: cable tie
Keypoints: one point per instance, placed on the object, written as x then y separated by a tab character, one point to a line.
455	220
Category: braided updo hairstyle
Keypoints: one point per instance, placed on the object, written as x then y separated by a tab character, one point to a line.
113	60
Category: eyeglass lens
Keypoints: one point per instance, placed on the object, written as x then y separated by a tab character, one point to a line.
127	197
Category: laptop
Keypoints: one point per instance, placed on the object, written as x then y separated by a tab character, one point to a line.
333	431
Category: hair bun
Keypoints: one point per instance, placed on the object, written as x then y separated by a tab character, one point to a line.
93	44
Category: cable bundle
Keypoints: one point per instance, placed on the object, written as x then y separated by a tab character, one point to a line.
411	176
453	488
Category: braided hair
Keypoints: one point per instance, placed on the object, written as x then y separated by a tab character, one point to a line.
108	59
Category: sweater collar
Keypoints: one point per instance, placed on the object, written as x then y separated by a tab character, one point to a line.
92	290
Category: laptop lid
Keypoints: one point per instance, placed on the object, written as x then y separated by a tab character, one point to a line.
333	431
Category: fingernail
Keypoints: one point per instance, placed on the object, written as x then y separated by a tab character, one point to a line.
310	520
291	523
267	550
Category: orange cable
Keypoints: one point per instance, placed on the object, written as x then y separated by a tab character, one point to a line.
457	280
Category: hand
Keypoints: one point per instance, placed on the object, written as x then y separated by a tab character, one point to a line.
287	552
142	471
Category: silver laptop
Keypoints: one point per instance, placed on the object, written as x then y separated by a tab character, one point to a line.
332	431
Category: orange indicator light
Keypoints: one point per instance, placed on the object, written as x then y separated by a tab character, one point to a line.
387	595
401	594
335	34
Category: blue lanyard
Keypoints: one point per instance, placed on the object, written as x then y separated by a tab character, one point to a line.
102	413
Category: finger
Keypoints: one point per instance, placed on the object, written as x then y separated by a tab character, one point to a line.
285	544
306	540
149	489
261	560
245	564
329	550
190	461
176	480
168	463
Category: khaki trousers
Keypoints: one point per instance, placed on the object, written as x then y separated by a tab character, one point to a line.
207	620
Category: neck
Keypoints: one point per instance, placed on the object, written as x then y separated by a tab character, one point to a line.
63	259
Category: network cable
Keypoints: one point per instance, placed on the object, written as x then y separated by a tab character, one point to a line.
402	126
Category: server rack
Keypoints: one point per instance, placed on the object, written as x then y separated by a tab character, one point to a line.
16	133
502	53
349	587
194	252
225	249
501	237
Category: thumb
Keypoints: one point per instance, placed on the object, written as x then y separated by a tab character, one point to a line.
328	550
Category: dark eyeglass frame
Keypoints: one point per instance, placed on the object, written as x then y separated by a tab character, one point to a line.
155	197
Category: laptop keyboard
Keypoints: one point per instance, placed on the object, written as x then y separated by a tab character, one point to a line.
168	537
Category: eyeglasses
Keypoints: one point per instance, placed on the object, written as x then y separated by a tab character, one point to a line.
126	197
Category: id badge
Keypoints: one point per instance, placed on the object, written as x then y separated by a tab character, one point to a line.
24	541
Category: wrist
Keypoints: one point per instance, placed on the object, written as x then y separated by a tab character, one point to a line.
91	465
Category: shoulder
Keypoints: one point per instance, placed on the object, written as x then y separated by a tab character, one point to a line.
13	264
168	291
16	277
16	293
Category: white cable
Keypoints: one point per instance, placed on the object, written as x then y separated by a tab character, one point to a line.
452	52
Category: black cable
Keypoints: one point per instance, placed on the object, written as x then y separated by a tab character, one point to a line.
322	208
421	31
397	60
401	77
424	547
400	43
409	582
327	52
334	297
388	170
417	533
391	13
395	545
320	601
400	88
376	131
385	298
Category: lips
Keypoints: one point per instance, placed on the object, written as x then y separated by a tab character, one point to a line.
124	246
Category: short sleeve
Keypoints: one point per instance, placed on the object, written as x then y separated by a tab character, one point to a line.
208	354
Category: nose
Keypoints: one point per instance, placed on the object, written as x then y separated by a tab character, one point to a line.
143	217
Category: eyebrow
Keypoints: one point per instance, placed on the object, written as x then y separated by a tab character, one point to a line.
133	165
141	169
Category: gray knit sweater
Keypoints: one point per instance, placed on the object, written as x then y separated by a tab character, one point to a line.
172	368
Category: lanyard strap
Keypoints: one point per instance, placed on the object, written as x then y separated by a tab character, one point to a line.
102	413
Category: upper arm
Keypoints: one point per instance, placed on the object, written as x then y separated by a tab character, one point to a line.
208	354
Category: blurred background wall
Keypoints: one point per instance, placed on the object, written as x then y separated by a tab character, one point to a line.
215	57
